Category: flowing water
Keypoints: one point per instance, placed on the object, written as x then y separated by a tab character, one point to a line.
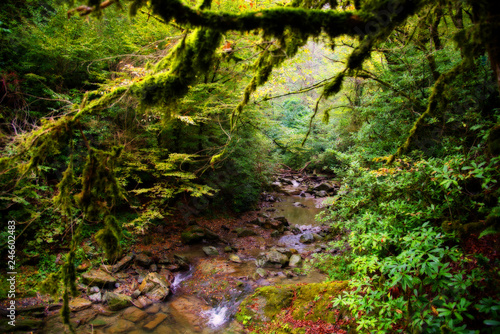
189	310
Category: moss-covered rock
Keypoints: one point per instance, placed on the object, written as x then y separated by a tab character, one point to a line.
98	278
118	301
304	302
265	303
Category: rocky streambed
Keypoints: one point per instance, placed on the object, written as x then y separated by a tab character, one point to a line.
198	286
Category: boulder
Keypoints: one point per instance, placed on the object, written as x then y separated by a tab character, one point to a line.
154	287
243	232
283	250
261	272
194	234
324	186
210	251
307	238
143	260
234	258
117	301
95	297
99	278
99	322
153	309
142	302
301	302
120	326
272	258
320	193
295	260
157	319
134	314
181	261
283	220
122	263
187	310
317	237
79	304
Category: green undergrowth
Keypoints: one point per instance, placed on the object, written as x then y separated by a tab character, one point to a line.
418	245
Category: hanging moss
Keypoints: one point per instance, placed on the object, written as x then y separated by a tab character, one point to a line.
109	238
65	199
436	99
100	188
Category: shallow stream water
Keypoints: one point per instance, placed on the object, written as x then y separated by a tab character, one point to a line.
189	310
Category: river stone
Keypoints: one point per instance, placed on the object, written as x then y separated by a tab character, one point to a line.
283	220
143	260
157	319
194	234
295	260
283	250
325	186
134	314
155	287
117	301
95	297
99	322
78	304
153	309
261	272
243	232
123	262
210	251
99	278
188	309
136	293
275	234
307	238
181	261
121	326
234	258
272	259
300	301
142	302
321	193
257	221
317	237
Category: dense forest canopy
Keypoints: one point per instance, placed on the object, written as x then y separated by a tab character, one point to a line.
117	114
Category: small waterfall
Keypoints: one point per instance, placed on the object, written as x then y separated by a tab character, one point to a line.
217	316
181	277
225	310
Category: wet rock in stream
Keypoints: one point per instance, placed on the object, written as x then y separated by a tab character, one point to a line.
210	251
99	278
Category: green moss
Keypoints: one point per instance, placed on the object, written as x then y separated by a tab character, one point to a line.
313	301
305	302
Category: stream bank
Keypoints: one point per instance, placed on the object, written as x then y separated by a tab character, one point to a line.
191	279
